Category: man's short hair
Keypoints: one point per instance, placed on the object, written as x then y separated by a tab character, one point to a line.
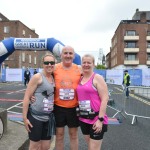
126	71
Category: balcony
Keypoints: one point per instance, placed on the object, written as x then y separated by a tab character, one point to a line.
131	38
148	50
148	62
131	50
148	38
131	62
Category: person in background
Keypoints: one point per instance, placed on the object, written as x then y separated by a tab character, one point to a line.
35	71
93	97
38	118
27	75
126	82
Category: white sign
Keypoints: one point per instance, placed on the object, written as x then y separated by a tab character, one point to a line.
30	43
114	76
146	77
13	74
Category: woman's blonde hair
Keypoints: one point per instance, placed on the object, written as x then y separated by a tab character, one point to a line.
89	55
48	54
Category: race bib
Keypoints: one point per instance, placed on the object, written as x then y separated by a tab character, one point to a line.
66	94
85	105
48	105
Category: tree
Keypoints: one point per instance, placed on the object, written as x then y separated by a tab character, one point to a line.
100	67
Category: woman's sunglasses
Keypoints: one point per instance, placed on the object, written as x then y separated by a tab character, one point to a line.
49	62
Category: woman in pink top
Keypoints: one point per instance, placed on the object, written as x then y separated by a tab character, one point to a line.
93	97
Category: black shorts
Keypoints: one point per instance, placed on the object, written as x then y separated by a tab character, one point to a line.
66	116
87	130
39	130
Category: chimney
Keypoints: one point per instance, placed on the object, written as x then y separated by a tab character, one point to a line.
33	30
143	17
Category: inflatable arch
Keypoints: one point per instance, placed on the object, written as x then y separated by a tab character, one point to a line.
8	46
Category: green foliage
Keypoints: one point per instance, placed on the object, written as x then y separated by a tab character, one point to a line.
100	67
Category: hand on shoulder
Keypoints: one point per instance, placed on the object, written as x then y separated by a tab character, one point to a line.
80	68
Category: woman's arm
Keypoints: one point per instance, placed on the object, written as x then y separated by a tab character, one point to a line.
103	94
33	83
102	89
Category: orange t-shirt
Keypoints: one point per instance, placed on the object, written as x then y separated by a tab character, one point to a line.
66	81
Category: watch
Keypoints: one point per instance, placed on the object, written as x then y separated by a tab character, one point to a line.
101	119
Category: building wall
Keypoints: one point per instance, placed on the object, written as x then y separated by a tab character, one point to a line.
19	30
117	53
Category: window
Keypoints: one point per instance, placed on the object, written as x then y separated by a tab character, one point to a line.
148	56
23	57
30	59
130	44
35	60
30	36
6	38
148	33
6	29
23	32
148	44
130	33
130	57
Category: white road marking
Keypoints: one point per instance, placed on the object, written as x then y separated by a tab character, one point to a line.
14	106
16	91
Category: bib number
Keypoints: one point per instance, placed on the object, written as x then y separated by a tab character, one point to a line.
48	105
85	105
66	94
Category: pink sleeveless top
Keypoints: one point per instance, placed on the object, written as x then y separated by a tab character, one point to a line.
88	95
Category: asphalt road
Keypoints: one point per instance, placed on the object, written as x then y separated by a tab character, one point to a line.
122	136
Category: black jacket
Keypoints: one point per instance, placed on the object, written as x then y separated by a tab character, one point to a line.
27	74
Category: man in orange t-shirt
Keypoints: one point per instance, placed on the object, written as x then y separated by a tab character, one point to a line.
67	76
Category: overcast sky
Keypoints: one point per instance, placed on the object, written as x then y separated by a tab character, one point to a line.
86	25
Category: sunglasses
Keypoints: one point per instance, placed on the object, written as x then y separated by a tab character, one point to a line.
49	62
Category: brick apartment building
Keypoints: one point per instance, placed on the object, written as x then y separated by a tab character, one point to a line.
19	58
130	45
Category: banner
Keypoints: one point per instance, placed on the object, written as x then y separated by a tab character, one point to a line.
114	76
30	43
135	77
13	74
101	72
146	77
138	77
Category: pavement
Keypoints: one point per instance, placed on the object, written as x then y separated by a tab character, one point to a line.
123	136
15	137
120	136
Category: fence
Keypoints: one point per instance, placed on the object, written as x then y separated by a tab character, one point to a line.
137	76
136	106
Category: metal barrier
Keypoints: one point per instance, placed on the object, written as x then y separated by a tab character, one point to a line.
115	101
137	105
